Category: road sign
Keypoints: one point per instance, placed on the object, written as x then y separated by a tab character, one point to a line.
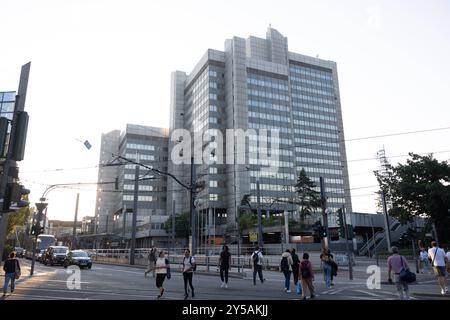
253	236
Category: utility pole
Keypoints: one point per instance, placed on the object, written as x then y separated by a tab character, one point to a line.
324	212
386	220
75	220
192	209
40	208
9	162
258	199
373	237
135	209
286	227
173	225
349	254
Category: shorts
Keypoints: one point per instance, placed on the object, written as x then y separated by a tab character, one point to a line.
160	277
439	271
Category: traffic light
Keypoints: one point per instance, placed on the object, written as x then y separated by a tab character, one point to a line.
323	232
341	223
37	230
17	191
316	228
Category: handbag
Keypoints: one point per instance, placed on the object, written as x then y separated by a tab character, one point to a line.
406	275
299	288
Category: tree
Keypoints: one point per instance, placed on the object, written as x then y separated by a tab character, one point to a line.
182	226
309	198
419	188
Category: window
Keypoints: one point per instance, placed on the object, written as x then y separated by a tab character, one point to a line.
213	183
212	170
213	197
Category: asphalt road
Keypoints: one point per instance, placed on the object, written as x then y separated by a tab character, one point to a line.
113	282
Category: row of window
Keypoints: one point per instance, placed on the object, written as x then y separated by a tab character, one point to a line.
317	142
316	124
272	175
271	187
213	197
316	180
336	200
271	163
301	89
270	139
140	146
141	187
313	98
252	125
317	133
313	107
269	116
139	156
309	151
133	166
267	105
279	151
322	170
314	116
309	81
267	83
318	161
267	95
311	73
140	198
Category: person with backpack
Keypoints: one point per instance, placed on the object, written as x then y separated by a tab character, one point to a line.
151	262
306	276
224	265
12	272
438	262
396	263
256	262
327	269
295	265
162	271
286	268
333	264
188	268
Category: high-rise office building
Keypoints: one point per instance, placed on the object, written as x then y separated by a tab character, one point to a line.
115	198
259	84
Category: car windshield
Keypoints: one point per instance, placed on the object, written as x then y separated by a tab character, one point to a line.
60	250
79	254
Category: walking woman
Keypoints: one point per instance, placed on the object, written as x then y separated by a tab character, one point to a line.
295	266
162	270
327	269
224	265
306	275
12	272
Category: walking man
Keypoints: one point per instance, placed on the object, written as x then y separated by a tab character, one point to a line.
295	266
256	262
396	263
438	261
151	262
224	265
188	269
286	268
12	272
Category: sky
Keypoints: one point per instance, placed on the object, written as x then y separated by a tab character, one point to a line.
99	64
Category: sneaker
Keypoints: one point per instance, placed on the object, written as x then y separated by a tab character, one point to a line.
162	292
446	290
304	298
193	295
186	296
226	286
312	296
222	285
442	291
288	291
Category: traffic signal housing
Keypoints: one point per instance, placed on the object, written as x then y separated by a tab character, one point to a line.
341	224
36	230
17	191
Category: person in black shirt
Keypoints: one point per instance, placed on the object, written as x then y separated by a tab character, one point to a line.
224	265
295	265
11	268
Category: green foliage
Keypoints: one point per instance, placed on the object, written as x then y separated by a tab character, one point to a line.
309	198
421	187
247	220
273	221
182	226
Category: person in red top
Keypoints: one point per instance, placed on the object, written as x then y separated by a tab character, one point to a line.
306	276
396	263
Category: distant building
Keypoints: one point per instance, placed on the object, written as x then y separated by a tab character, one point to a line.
88	225
62	229
115	196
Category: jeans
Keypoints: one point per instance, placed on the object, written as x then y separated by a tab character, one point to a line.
258	268
402	288
224	270
9	276
327	274
287	279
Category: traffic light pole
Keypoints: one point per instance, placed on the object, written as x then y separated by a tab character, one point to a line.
349	255
40	207
324	213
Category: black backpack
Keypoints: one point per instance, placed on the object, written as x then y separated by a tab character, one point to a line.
305	271
284	265
255	258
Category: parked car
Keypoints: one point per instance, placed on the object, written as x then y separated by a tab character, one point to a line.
20	252
55	255
79	258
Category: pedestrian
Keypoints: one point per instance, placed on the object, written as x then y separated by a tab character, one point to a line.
188	269
327	269
12	272
334	266
151	262
295	265
306	276
424	262
438	262
224	265
256	262
286	268
396	263
162	270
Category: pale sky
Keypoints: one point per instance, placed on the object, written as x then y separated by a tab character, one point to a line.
97	65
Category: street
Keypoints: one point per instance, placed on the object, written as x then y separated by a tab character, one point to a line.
114	282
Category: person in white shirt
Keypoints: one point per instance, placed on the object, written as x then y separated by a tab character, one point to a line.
161	270
439	259
424	262
188	268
